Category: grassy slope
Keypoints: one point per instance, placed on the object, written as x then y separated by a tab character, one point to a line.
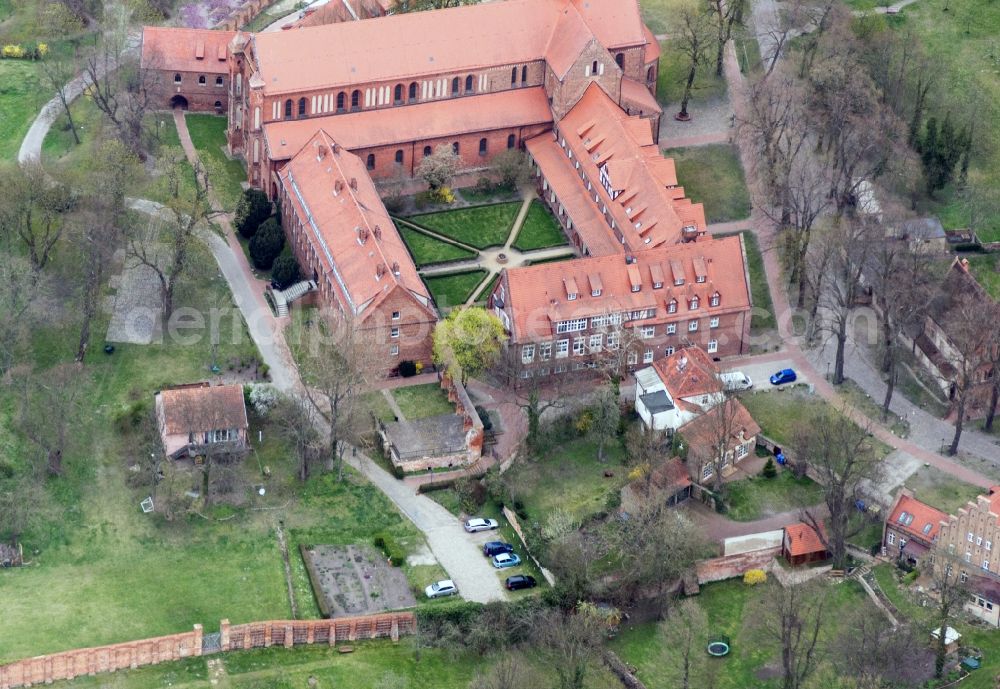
713	175
479	226
986	269
540	229
427	250
208	133
763	315
453	290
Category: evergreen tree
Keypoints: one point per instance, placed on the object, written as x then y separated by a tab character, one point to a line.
252	209
266	244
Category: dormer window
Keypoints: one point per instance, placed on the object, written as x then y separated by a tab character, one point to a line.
595	293
657	285
672	306
700	278
715	299
571	296
694	303
636	288
678	282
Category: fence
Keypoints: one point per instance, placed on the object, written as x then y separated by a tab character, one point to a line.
133	654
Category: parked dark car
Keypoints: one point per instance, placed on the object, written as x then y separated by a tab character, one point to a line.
520	581
783	376
496	547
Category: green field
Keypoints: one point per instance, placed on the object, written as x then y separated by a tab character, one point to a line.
453	290
478	226
428	250
713	175
986	269
226	175
421	401
540	229
757	497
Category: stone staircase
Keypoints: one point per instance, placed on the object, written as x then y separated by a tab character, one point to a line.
282	298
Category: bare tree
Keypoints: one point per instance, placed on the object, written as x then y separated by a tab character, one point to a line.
298	422
32	210
725	14
575	638
695	41
869	653
21	303
48	406
793	617
950	582
507	673
57	71
337	369
606	419
721	431
535	395
686	629
844	461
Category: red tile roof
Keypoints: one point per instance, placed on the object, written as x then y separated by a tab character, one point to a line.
645	202
195	408
703	432
570	38
670	475
802	539
538	297
651	53
344	218
407	46
917	518
689	372
176	49
423	121
638	95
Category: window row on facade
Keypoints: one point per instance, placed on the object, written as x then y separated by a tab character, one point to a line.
399	155
581	349
202	80
583	345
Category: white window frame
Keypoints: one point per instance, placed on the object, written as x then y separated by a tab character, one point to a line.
693	326
988	545
527	353
970	537
986	565
693	305
394	350
979	540
647	356
596	343
713	346
672	306
395	315
633	357
579	345
671	328
394	332
707	470
890	538
613	341
648	331
668	351
562	349
714	300
713	322
545	351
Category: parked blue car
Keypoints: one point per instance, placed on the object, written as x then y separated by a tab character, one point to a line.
505	560
492	548
784	376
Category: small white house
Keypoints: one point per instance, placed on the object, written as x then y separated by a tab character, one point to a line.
677	389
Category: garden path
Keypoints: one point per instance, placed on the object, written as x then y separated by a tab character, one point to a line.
391	401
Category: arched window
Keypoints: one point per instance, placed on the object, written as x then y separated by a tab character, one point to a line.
620	59
201	79
397	94
427	151
513	76
482	147
341	98
288	109
454	86
218	106
256	118
468	84
413	91
593	68
524	74
715	299
454	148
355	99
177	78
650	73
302	107
399	156
371	161
511	141
218	81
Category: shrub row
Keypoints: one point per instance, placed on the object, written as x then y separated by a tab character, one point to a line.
392	550
32	51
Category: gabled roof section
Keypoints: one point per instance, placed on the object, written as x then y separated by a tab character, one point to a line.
689	372
647	207
431	120
915	517
570	37
614	22
637	95
354	236
185	50
802	539
199	408
703	432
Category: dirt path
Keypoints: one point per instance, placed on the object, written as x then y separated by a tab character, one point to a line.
283	545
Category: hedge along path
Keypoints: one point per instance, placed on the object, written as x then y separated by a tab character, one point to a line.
435	235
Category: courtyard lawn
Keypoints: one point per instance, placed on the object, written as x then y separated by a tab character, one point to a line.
540	229
673	73
427	250
758	497
452	290
780	412
713	175
986	269
762	319
941	490
567	476
421	401
478	226
208	133
730	607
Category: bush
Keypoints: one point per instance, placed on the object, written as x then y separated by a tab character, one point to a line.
285	271
769	470
267	244
754	577
392	550
130	417
910	577
471	494
407	369
614	501
484	416
252	209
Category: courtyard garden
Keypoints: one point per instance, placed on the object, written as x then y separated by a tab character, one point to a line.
477	226
540	229
427	250
454	289
713	175
422	401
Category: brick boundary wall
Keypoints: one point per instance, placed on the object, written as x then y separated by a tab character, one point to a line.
132	654
732	566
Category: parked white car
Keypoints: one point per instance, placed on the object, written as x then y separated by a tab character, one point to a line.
735	381
440	589
480	524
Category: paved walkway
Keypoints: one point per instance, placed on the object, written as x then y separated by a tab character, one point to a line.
718	527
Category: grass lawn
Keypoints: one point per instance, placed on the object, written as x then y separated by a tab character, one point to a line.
941	490
780	412
208	133
730	607
762	320
569	477
59	142
713	175
986	269
540	229
871	408
21	97
757	497
672	75
421	401
453	290
478	226
427	250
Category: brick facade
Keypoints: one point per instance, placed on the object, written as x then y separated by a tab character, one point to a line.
195	91
972	536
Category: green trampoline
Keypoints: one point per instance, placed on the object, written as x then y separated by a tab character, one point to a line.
718	646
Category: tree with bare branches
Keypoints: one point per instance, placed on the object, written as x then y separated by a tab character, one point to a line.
793	617
48	405
950	582
725	13
33	210
695	42
298	421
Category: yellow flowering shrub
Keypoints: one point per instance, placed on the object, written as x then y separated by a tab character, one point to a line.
12	51
754	577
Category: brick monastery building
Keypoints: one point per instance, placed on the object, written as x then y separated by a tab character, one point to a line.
323	111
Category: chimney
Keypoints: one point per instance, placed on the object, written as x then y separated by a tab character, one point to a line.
336	148
321	151
354	183
378	233
338	187
395	268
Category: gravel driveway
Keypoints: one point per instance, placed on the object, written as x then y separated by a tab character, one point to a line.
460	553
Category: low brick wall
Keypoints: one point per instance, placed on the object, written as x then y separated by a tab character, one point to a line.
732	566
162	649
90	661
